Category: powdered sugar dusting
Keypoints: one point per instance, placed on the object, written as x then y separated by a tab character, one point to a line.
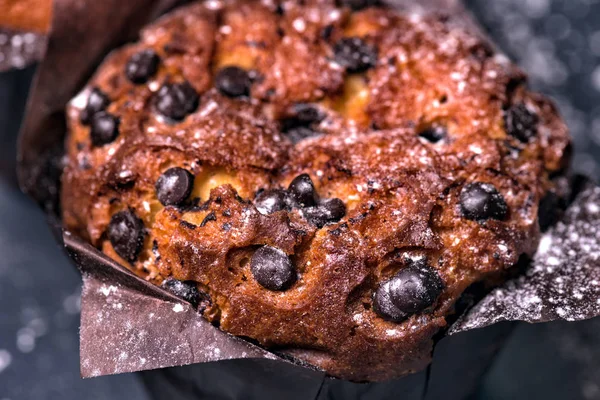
19	49
177	308
124	330
562	282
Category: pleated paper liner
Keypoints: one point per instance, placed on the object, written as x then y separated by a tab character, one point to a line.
128	324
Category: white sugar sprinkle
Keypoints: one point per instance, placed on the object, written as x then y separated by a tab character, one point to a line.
178	308
5	359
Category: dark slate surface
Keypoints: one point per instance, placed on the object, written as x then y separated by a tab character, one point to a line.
39	314
557	41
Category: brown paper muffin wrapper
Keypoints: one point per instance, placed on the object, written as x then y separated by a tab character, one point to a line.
128	324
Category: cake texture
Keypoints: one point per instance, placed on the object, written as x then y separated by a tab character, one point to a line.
323	178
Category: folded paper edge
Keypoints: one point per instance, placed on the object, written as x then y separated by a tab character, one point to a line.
75	245
563	280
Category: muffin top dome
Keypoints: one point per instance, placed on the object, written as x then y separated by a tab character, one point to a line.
328	177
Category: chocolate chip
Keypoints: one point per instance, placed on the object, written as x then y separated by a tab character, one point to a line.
104	128
187	290
176	100
272	268
520	122
126	233
174	186
304	115
383	305
97	101
327	211
355	54
142	66
270	201
335	208
233	82
297	126
412	290
302	191
415	288
356	5
434	133
482	201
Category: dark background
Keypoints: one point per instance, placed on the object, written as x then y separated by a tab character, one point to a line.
556	41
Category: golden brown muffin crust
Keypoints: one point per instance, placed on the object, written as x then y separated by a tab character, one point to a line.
26	15
398	136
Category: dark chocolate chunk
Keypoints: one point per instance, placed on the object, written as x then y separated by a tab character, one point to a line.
272	268
142	66
176	100
383	305
327	211
187	290
270	201
356	5
174	186
233	82
126	233
97	101
434	133
335	208
412	290
415	288
520	123
302	191
481	201
298	126
355	54
303	115
104	128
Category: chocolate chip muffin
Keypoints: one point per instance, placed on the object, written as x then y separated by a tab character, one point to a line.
325	178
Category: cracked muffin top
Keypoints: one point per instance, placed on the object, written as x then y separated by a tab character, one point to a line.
324	178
